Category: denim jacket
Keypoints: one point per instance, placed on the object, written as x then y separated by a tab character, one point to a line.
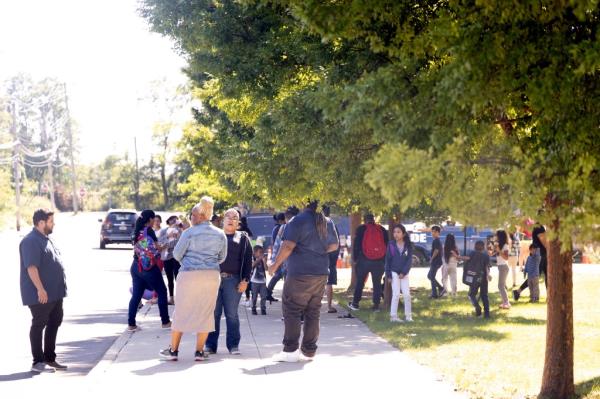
396	261
532	264
201	247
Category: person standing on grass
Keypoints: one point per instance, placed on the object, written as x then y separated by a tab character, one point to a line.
368	253
307	240
502	254
437	251
200	250
169	237
539	242
43	287
333	257
450	264
236	271
146	270
398	261
479	261
532	269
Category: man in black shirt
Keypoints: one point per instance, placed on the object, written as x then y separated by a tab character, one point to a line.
43	288
235	275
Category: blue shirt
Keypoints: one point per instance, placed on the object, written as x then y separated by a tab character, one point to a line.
309	257
201	247
532	264
38	250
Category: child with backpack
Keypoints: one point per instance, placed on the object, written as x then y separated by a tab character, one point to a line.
532	270
398	260
476	274
259	280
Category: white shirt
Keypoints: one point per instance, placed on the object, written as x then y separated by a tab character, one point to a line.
499	259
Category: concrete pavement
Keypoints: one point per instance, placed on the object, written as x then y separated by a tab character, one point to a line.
351	362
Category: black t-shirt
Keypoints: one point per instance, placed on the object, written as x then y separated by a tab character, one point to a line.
239	255
536	240
437	244
38	250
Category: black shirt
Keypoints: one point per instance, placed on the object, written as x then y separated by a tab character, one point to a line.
239	256
38	250
437	244
537	243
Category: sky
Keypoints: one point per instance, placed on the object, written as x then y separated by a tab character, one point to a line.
107	56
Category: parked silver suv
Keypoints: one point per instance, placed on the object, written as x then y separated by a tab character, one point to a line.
117	227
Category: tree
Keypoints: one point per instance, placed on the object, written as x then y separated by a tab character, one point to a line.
501	102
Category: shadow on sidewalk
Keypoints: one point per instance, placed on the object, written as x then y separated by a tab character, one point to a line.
116	317
17	376
174	367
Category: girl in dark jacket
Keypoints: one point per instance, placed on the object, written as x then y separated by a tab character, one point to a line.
398	260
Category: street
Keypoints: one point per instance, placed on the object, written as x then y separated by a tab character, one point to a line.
95	309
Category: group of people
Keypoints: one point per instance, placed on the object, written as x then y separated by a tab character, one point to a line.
208	268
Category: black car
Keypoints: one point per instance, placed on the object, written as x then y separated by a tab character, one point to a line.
117	227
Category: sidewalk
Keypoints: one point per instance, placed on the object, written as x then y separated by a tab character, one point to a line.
351	362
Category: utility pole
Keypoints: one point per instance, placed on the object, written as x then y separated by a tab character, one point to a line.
70	134
137	176
16	164
46	139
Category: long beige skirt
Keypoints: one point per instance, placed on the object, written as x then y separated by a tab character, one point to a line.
195	300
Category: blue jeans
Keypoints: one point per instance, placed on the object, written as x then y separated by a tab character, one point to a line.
436	287
227	300
152	280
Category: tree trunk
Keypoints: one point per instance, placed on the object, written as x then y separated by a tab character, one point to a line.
163	182
557	380
354	223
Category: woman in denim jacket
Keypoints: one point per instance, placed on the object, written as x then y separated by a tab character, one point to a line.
200	250
398	260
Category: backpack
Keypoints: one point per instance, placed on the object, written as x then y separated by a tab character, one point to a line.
472	275
373	244
146	252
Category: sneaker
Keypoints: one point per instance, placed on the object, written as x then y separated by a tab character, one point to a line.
306	358
133	328
263	312
270	298
409	320
396	320
254	312
516	295
166	325
478	311
352	306
200	356
41	367
171	301
442	293
209	351
375	308
235	351
287	357
168	354
57	366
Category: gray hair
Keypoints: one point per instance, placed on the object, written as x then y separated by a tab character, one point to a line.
205	207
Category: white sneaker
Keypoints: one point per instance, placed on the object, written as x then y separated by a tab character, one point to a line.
396	320
409	319
287	357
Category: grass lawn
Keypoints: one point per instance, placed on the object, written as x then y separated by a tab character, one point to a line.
497	358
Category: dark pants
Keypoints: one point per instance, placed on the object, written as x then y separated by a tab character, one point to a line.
483	294
302	295
274	280
152	280
259	288
46	316
363	268
436	287
171	270
228	300
543	270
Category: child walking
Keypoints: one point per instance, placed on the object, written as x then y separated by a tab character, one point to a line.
532	269
259	280
398	260
450	259
479	261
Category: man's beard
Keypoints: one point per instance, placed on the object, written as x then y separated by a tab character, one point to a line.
48	231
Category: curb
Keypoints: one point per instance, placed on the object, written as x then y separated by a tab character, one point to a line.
112	354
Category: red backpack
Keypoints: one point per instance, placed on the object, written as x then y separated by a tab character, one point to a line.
373	244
